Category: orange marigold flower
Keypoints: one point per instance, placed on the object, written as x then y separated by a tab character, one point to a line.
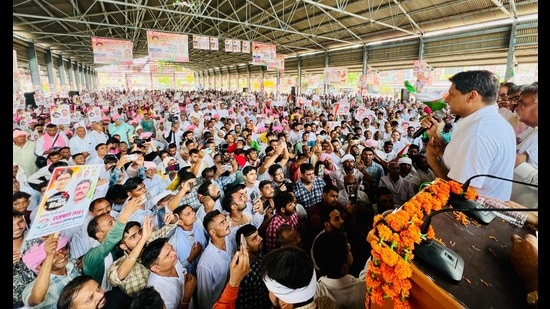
384	232
398	233
389	257
377	218
377	297
403	269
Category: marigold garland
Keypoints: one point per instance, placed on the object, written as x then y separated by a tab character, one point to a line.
389	270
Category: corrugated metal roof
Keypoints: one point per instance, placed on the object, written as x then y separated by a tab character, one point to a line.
295	26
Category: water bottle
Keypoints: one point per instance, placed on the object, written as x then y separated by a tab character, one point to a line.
517	218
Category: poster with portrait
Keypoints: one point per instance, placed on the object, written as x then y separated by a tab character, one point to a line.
245	47
262	53
66	200
335	75
214	43
419	66
228	45
60	114
344	107
332	124
362	112
236	46
94	113
112	51
166	46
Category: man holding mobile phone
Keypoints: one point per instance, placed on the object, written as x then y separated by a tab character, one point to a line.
252	292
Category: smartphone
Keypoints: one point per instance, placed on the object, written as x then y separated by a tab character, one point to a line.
148	196
243	242
321	170
172	168
132	157
192	186
254	196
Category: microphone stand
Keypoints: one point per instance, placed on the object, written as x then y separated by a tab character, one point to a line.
466	184
448	262
445	260
484	217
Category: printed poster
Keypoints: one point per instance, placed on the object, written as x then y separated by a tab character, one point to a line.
94	114
335	75
214	44
112	51
60	114
228	45
236	46
245	47
419	66
66	200
166	46
263	53
344	107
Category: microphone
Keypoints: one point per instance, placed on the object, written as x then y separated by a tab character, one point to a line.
439	114
448	262
466	184
443	259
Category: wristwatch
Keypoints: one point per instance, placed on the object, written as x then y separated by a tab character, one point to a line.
532	297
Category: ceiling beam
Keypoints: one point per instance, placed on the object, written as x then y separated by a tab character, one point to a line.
359	17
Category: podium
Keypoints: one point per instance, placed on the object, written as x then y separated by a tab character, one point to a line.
489	279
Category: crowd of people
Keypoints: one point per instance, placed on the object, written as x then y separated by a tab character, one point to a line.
216	199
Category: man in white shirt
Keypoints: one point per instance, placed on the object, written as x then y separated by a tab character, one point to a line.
213	267
175	285
81	141
527	160
483	143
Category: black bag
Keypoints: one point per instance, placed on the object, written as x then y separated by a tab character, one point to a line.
41	161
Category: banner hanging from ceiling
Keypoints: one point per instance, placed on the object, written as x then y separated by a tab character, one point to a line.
112	51
263	53
164	46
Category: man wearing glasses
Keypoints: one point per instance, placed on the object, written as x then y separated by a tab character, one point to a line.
521	129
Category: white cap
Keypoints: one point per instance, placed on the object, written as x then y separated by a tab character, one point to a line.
405	160
156	199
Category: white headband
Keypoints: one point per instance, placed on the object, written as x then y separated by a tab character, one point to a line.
292	296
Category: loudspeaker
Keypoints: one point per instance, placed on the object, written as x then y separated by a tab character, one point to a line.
405	95
293	90
73	92
29	99
245	89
